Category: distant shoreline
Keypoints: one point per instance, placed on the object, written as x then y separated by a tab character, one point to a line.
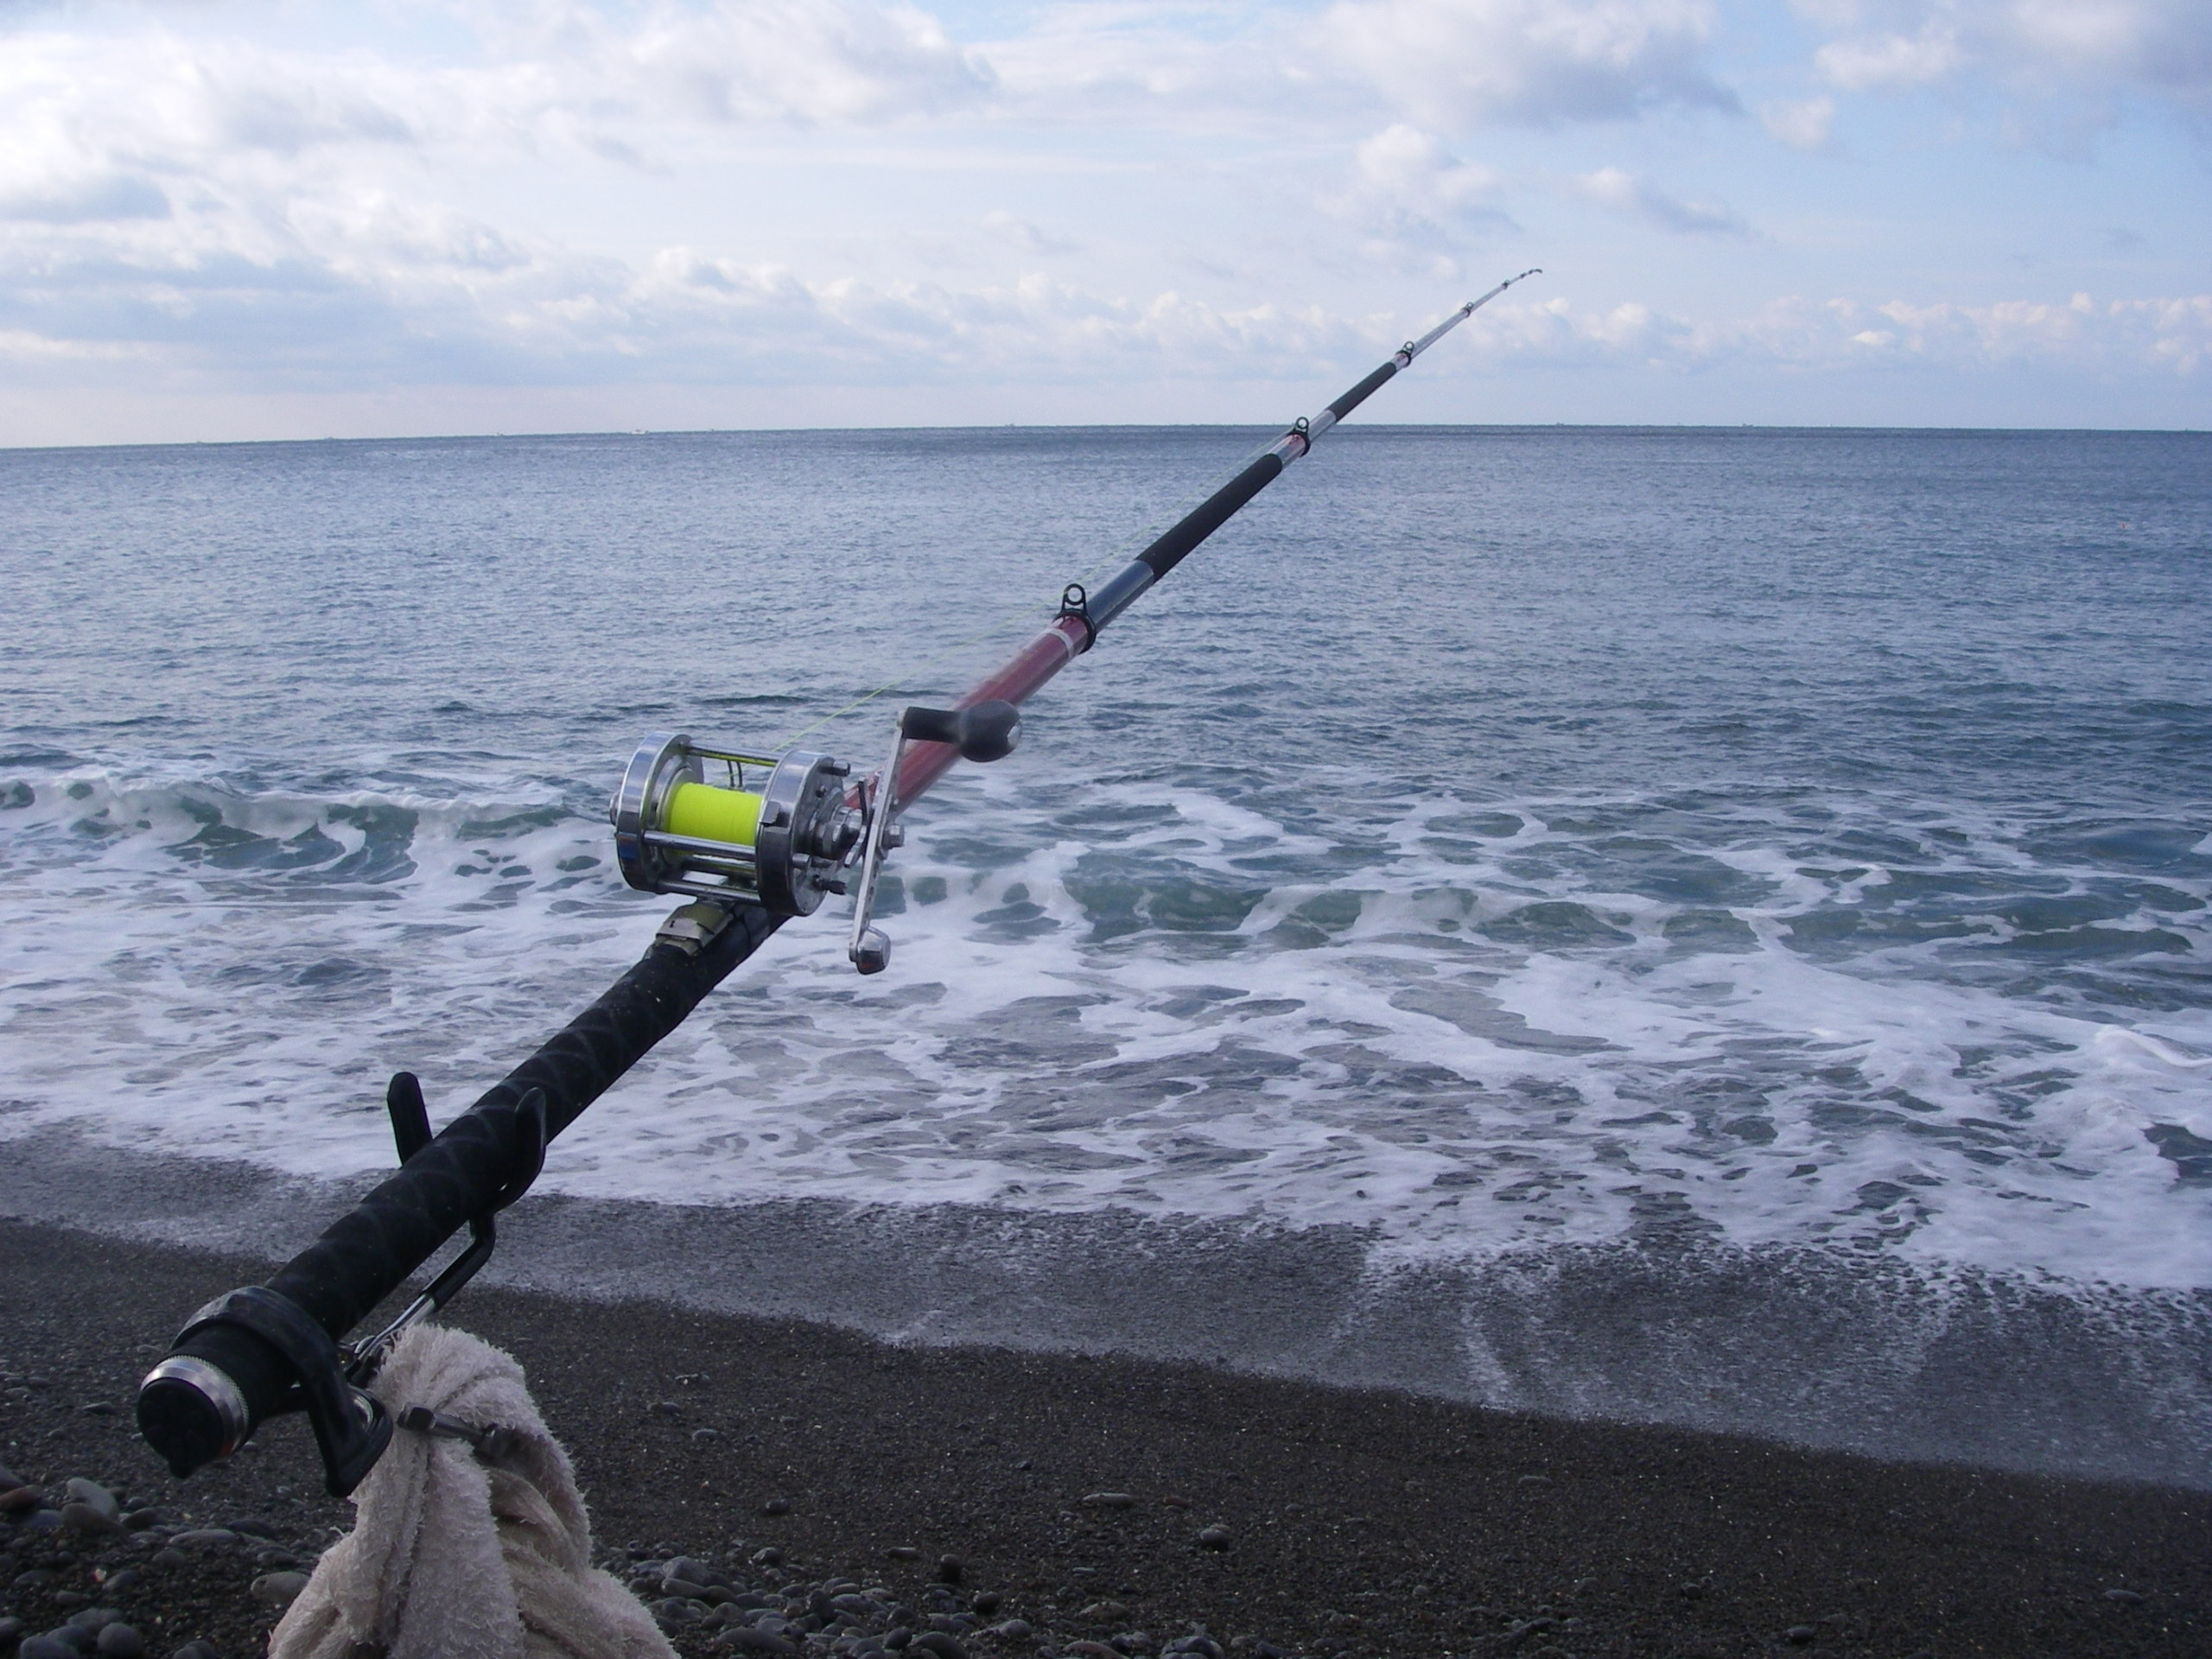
1350	432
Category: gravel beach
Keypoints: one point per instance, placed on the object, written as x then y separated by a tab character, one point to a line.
844	1495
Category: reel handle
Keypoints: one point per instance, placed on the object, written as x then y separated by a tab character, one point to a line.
982	731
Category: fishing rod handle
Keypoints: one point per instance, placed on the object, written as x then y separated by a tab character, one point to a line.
222	1379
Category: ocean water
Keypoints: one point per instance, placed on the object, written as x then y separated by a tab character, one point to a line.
1495	842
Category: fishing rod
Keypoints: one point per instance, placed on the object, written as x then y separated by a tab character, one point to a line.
750	841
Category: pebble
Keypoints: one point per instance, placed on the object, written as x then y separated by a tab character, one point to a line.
252	1527
705	1436
1104	1612
739	1638
198	1650
1087	1650
124	1580
89	1519
279	1589
949	1569
1109	1501
8	1478
1015	1629
11	1630
902	1553
2130	1596
139	1520
19	1500
44	1646
1798	1635
90	1492
938	1643
120	1641
1214	1538
170	1555
776	1506
205	1538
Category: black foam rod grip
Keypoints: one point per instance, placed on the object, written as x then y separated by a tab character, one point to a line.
982	731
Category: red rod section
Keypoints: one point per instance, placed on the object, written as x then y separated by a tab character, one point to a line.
923	764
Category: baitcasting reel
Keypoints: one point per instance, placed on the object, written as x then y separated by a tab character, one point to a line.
784	846
803	832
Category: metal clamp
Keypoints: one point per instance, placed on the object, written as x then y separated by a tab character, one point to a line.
411	1133
492	1445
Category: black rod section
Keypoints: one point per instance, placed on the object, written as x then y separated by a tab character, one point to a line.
368	1253
1177	542
1209	515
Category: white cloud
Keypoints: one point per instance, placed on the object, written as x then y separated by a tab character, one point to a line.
395	297
1624	193
1022	233
1451	63
827	60
1413	201
2160	47
1801	123
1443	64
1086	58
2169	335
98	198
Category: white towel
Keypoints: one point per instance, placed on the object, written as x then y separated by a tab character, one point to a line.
449	1559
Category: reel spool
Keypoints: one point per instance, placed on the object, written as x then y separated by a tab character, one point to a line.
784	846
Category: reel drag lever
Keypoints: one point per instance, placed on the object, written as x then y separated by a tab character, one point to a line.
981	732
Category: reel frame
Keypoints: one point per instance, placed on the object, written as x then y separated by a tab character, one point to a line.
803	842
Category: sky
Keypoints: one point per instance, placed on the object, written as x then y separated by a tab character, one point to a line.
225	221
